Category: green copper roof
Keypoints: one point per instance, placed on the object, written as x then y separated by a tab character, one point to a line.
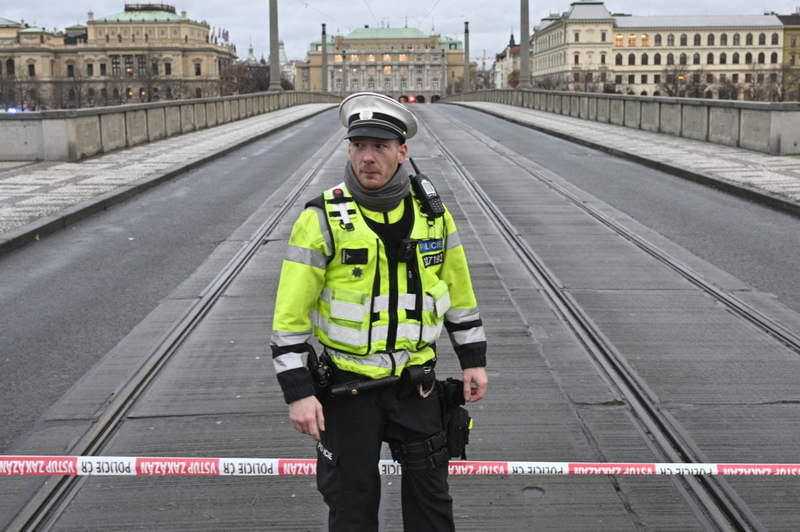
386	33
142	16
32	29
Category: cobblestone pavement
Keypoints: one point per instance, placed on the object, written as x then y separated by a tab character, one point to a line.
774	174
30	191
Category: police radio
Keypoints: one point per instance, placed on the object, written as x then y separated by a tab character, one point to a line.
432	205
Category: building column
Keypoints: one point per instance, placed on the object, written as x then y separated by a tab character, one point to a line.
524	49
274	55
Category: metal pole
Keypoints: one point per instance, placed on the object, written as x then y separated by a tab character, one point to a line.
467	74
324	60
524	48
274	55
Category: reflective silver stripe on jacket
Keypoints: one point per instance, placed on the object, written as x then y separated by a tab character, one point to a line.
462	315
381	303
476	334
377	360
288	361
359	338
282	338
453	241
325	231
306	256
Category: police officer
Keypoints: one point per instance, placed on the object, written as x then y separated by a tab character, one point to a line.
375	274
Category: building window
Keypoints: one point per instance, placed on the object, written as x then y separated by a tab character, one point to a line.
657	59
645	40
403	70
70	71
402	57
618	79
371	58
102	69
723	58
435	84
684	40
154	67
698	40
735	58
387	70
709	78
631	40
791	60
670	40
748	58
762	39
577	59
371	71
305	84
631	79
387	57
602	36
419	70
657	79
748	41
602	59
737	40
354	58
618	59
602	77
419	83
684	59
371	83
631	59
403	84
167	69
723	39
198	69
354	83
658	39
710	59
576	77
761	58
735	78
696	59
338	58
577	36
645	59
129	65
338	84
387	84
774	58
142	63
436	71
794	41
748	78
32	71
420	57
618	40
670	59
198	93
644	79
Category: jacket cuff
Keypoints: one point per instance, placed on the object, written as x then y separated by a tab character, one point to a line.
475	361
299	392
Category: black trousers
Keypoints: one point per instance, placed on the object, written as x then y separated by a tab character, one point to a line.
347	459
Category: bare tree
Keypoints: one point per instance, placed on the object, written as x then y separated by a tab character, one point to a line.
728	90
785	82
513	79
673	80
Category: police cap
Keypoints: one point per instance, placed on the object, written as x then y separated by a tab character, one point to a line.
368	114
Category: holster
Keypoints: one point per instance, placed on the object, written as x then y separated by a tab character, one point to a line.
457	422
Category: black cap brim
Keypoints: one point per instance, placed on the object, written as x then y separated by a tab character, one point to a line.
373	132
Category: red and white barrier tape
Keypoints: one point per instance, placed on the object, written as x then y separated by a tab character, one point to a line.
118	466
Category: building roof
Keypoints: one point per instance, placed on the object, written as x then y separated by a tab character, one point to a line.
32	29
144	13
444	43
589	10
386	33
724	21
5	23
312	46
790	20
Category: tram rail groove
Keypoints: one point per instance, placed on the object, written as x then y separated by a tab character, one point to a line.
42	510
716	504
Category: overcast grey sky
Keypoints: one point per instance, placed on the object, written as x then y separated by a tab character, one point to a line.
490	21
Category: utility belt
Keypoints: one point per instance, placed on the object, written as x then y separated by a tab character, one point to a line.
426	454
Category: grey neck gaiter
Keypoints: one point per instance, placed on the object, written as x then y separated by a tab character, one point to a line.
384	199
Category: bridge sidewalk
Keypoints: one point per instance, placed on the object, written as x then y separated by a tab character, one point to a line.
768	179
38	198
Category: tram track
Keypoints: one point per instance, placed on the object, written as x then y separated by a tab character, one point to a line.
43	508
716	504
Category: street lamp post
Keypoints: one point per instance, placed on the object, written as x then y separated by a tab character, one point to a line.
274	55
524	48
324	60
467	73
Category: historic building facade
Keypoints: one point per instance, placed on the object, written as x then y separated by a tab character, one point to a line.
399	62
588	48
144	53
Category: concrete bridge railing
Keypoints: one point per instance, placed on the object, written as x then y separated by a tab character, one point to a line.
772	128
70	135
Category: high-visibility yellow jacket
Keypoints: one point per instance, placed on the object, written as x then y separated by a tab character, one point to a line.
374	312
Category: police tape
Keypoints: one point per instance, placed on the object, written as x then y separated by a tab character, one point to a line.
138	466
